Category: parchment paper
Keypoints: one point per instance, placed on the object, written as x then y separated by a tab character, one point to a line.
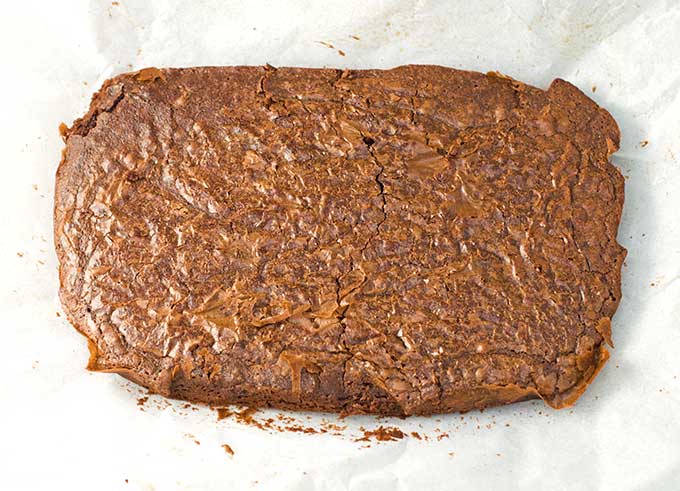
64	428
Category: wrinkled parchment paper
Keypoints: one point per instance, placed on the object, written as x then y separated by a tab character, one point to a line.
64	428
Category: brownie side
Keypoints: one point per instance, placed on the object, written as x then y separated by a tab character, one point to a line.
407	241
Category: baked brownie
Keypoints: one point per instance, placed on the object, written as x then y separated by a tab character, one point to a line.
407	241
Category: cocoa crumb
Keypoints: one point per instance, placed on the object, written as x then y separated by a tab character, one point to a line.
644	143
382	434
20	254
416	435
341	52
228	449
246	415
142	400
357	38
223	413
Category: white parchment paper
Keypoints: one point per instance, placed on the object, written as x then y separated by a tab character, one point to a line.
64	428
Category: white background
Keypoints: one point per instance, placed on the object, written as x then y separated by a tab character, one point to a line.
64	428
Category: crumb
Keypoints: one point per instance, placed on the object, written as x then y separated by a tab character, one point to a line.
41	263
617	366
652	284
58	314
341	52
644	143
228	449
223	413
139	51
507	425
126	481
356	38
20	254
442	436
35	186
197	442
382	434
594	88
142	400
115	4
328	45
498	455
451	454
416	435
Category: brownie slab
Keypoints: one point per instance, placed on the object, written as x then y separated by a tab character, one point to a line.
408	241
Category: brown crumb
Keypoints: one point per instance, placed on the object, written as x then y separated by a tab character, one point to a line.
652	284
594	88
197	442
20	254
35	187
498	455
442	436
126	481
341	52
451	454
115	4
328	45
644	143
142	400
246	415
382	434
223	413
416	435
58	314
507	424
228	449
357	38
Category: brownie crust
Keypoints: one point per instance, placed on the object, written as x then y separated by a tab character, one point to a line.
409	241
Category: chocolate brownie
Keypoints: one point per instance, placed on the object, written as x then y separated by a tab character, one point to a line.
408	241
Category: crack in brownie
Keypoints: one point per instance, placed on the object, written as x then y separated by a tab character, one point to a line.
407	241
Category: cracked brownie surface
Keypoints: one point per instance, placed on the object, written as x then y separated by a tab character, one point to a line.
405	241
